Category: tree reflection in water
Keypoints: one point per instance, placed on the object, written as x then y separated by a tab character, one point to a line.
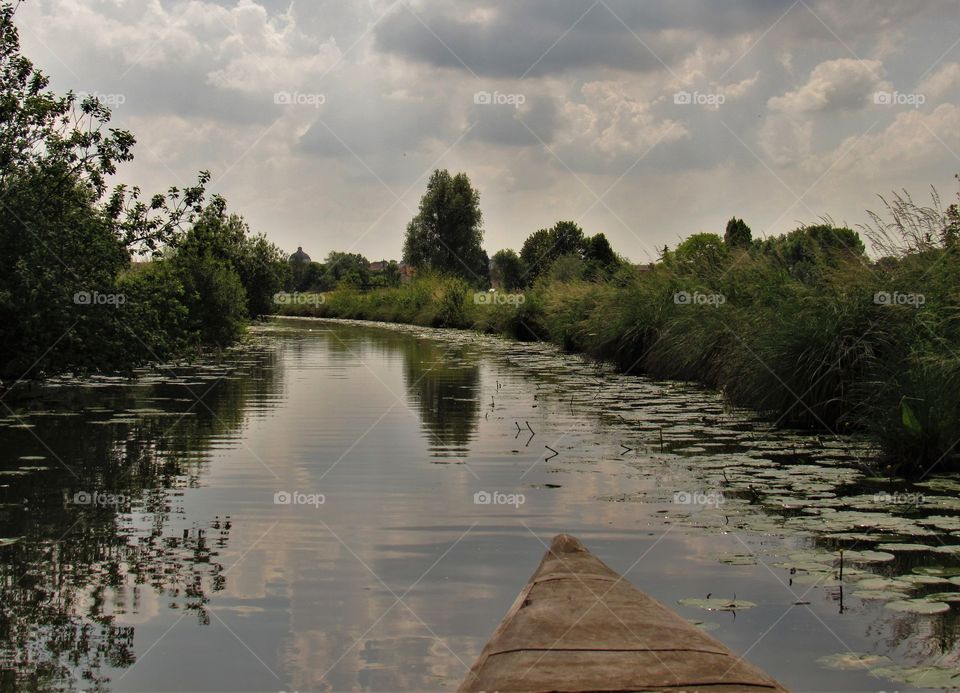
73	566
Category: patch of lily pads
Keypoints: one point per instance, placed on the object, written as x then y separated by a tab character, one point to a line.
846	661
921	677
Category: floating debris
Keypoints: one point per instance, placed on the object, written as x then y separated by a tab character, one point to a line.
716	604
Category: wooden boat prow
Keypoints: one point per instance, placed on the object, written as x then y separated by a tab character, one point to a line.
578	626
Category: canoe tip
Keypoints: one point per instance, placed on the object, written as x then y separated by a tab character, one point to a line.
566	543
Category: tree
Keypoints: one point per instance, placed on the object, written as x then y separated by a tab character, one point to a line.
738	234
566	239
446	234
205	260
542	248
507	270
347	268
599	256
64	240
700	254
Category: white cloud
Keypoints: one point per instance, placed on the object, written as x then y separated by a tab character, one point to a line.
612	123
845	83
913	140
944	81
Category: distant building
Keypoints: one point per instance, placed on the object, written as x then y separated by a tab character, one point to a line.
378	266
300	257
644	268
407	272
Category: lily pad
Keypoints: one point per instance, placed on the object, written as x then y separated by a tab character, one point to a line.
881	595
937	570
904	547
881	583
948	549
918	606
716	604
923	579
852	660
950	597
925	677
868	556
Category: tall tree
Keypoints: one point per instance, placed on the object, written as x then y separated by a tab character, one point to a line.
446	234
542	248
738	234
507	270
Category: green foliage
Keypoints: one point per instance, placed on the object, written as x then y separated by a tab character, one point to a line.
507	270
564	240
206	263
446	234
700	254
69	298
543	247
346	268
738	234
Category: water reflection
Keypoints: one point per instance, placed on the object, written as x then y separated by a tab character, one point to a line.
444	383
91	533
179	532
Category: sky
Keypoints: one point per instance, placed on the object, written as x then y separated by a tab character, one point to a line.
321	120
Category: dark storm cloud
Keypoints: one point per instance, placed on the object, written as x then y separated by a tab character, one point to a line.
507	125
183	92
518	37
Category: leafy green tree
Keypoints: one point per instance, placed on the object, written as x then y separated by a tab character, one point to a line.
700	254
738	234
213	290
312	278
352	269
63	235
507	270
566	239
599	256
446	234
806	252
543	247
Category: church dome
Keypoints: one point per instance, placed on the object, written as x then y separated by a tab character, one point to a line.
300	256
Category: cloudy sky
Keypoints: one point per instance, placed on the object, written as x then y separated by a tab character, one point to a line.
320	120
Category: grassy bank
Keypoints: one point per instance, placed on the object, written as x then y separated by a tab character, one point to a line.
810	335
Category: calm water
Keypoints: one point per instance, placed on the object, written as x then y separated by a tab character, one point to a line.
147	544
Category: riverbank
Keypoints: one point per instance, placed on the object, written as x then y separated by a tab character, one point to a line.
817	339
